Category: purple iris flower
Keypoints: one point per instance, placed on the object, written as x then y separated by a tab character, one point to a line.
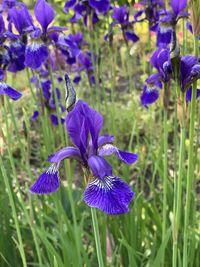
161	61
189	71
104	190
169	20
37	51
121	16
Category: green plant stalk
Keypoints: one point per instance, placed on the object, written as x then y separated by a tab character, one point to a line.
165	173
190	171
97	237
178	192
14	212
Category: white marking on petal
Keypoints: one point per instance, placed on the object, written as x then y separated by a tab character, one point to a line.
53	168
106	183
35	46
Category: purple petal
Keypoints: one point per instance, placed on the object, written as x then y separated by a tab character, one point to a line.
66	152
55	121
35	55
126	157
1	74
110	194
35	115
189	94
105	139
101	6
149	95
120	14
178	5
48	182
99	166
131	36
44	14
69	4
9	91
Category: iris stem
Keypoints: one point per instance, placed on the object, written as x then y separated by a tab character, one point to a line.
190	171
97	237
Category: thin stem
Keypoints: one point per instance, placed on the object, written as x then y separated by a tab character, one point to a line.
97	237
178	197
190	171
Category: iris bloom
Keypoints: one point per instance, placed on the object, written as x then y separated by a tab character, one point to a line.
121	16
169	20
161	61
104	190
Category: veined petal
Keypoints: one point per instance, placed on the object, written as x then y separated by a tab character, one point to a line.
149	95
44	13
35	55
126	157
48	182
178	6
110	194
9	91
99	166
104	139
66	152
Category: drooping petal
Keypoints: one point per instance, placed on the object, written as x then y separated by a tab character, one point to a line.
35	55
44	13
9	91
131	36
110	194
66	152
126	157
99	166
178	6
149	95
48	182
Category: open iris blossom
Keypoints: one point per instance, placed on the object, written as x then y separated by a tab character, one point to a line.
37	50
85	8
161	61
168	21
104	190
121	17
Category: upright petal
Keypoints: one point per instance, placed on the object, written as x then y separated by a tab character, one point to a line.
126	157
9	91
110	194
99	166
35	55
66	152
178	6
48	182
44	14
104	139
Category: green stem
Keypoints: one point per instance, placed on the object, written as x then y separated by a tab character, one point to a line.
165	148
178	192
97	237
190	171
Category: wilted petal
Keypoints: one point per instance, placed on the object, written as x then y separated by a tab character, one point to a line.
66	152
70	99
56	29
124	156
9	91
35	55
99	166
44	14
110	194
48	182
